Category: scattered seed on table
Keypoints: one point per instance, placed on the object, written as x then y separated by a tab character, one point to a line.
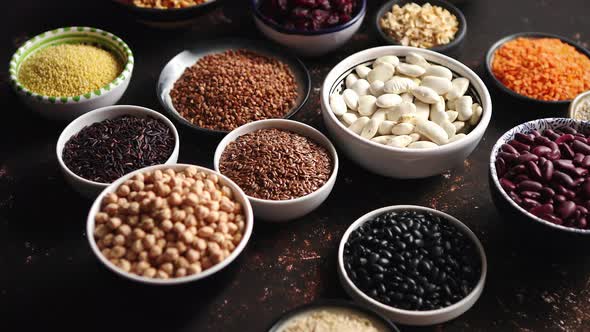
107	150
276	164
412	260
226	90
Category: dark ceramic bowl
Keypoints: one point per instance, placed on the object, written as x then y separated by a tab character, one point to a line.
447	48
536	228
175	67
167	18
559	105
333	304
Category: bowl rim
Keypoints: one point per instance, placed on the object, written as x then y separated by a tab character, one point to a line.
164	10
258	14
173	281
277	124
529	35
367	55
268	48
108	109
331	303
459	35
574	104
494	174
53	37
475	292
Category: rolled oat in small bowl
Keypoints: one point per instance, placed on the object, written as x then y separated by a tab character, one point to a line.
286	168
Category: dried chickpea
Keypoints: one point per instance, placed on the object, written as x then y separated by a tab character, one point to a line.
174	199
138	233
101	218
181	272
206	232
111	209
110	198
150	272
167	223
194	268
119	240
124	230
125	265
155	251
123	190
200	244
101	231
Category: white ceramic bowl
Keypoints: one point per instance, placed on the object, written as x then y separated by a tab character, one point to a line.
401	162
279	211
576	102
91	188
67	108
409	317
239	197
310	43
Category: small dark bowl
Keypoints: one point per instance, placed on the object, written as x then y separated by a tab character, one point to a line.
447	48
556	107
174	68
539	231
331	304
167	18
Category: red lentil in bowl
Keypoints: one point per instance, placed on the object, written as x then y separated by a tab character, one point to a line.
539	67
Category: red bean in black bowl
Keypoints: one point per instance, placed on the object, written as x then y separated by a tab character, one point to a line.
540	180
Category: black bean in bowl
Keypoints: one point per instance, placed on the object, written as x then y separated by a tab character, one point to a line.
412	260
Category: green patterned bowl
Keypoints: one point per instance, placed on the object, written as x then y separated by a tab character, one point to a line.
67	108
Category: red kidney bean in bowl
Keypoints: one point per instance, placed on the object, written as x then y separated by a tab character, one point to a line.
543	168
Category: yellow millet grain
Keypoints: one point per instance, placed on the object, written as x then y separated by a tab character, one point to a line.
69	70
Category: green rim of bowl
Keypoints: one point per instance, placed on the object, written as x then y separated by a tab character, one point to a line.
71	35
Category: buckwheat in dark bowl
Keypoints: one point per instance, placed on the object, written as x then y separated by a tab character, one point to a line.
218	87
416	265
286	168
539	179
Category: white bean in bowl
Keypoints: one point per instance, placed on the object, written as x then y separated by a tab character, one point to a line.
392	151
422	98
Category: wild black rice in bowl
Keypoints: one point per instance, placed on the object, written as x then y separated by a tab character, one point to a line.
276	164
107	150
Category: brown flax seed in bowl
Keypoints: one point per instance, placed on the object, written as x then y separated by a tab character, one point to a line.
276	164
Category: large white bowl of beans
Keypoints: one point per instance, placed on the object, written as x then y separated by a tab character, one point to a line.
169	224
405	112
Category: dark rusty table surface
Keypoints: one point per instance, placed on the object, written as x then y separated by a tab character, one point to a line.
49	278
